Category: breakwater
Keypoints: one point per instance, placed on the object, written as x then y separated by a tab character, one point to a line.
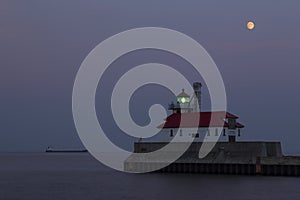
245	158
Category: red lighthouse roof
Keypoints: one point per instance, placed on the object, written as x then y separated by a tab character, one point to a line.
206	119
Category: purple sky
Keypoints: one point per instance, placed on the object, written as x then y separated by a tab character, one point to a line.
44	42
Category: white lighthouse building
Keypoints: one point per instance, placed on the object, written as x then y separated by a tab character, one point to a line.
220	125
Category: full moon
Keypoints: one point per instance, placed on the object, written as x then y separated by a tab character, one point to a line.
250	25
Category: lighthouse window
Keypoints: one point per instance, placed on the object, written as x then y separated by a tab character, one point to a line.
180	132
224	132
208	132
171	133
197	135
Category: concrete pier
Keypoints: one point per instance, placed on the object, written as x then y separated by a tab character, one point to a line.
246	158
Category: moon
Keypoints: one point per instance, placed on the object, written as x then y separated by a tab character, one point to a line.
250	25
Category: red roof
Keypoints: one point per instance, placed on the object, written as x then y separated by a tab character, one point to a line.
187	120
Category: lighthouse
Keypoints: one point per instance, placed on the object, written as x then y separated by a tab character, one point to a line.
186	103
220	124
183	99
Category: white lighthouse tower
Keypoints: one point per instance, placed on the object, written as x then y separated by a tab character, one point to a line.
186	103
183	99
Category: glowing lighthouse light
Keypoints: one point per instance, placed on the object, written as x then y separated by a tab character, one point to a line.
250	25
183	97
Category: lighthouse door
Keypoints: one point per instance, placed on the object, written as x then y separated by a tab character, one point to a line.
231	138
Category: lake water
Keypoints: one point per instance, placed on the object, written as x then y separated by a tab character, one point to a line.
55	176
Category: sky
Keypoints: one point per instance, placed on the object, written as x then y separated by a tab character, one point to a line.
43	43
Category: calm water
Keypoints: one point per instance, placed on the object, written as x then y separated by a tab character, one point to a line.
78	176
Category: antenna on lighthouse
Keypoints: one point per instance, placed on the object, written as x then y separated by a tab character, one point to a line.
197	96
